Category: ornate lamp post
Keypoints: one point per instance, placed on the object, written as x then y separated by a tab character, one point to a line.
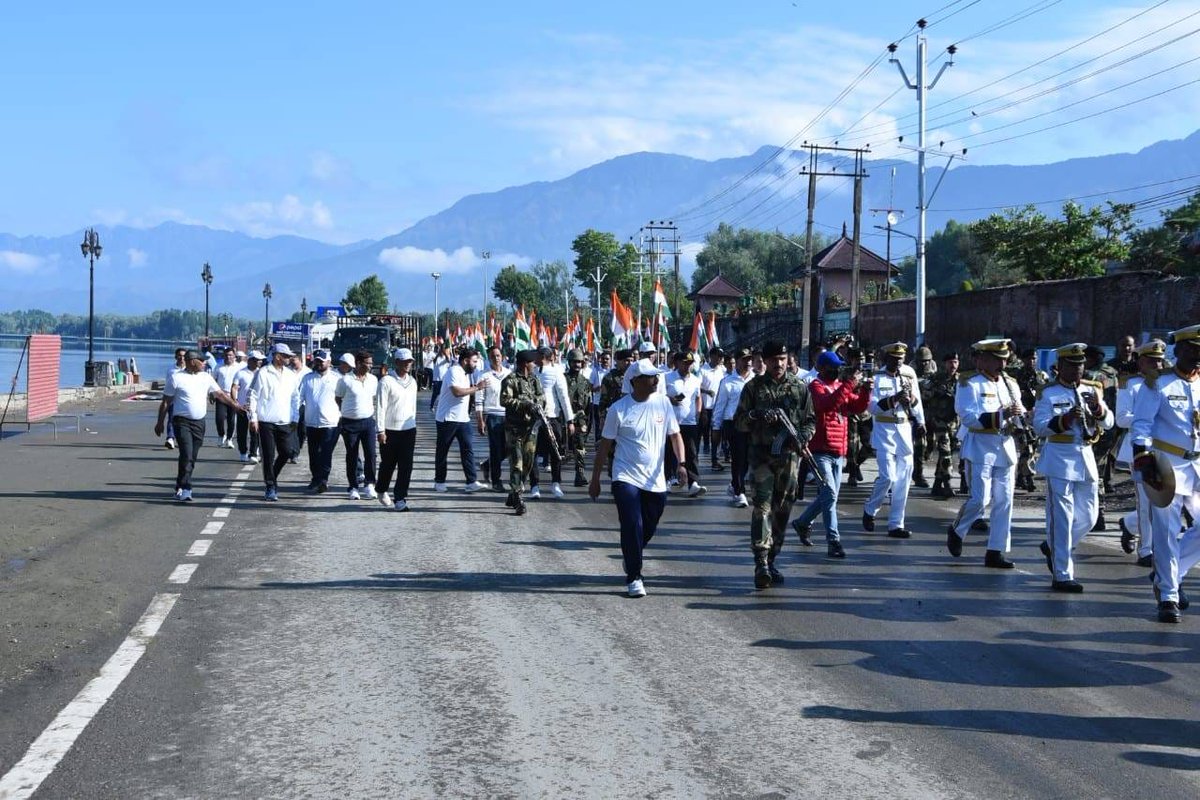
206	276
304	309
90	246
266	311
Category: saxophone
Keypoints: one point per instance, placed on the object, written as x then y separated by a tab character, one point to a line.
1089	424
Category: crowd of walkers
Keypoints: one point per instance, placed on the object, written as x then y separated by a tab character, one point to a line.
774	426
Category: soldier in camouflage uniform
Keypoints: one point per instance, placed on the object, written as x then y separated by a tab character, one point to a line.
579	392
774	456
521	395
937	395
610	387
926	368
858	426
1104	450
1031	381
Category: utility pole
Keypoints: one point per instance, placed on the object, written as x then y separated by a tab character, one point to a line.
893	216
811	299
921	88
598	277
487	254
664	242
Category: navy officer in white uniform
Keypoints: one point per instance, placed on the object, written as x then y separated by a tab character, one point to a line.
1070	413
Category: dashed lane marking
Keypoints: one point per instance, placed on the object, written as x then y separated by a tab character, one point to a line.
182	573
212	528
220	513
48	750
199	548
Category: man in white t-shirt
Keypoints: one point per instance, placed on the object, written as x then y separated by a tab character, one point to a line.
440	367
185	397
453	418
247	440
490	414
684	393
356	392
639	426
602	368
396	421
226	416
711	374
318	397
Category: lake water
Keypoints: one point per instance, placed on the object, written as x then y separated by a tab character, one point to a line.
153	366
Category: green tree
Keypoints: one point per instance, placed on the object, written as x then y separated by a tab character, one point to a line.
1079	244
517	287
369	294
1163	248
954	263
617	263
557	289
750	259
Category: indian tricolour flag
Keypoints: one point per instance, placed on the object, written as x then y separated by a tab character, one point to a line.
522	337
622	320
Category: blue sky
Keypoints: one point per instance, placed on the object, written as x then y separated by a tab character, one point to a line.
351	120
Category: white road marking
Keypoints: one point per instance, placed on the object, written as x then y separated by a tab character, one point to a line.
221	512
199	547
212	528
182	573
228	500
47	750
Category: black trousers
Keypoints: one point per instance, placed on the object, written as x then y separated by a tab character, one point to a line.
189	435
739	456
357	432
321	442
705	437
244	432
396	455
544	447
226	420
691	443
278	446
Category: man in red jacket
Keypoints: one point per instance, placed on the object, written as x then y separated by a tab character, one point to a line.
833	401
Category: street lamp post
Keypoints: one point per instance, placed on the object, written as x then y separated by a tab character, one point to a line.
206	276
487	254
90	246
435	276
266	311
304	309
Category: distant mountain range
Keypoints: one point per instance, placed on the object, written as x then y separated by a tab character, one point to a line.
146	269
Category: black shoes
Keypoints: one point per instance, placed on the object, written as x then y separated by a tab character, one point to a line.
919	480
1145	561
717	466
511	500
804	532
520	506
1071	586
762	576
1100	523
1045	548
1168	611
900	533
1128	540
776	575
580	480
996	560
835	550
868	522
981	525
953	543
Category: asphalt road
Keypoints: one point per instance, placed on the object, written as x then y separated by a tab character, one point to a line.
325	648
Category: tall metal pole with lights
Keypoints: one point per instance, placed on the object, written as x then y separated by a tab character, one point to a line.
436	311
206	276
90	246
487	254
266	311
304	309
921	88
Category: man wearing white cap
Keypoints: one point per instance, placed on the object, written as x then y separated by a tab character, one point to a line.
356	393
1070	414
1135	526
274	413
396	421
321	417
988	404
247	439
640	426
1166	428
896	407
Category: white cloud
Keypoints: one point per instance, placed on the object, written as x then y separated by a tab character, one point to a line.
25	263
137	258
464	259
290	215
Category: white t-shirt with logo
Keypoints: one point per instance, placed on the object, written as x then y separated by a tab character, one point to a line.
449	407
640	431
689	387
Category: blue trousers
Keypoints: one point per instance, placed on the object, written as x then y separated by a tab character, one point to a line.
447	432
321	442
497	452
357	432
829	467
639	512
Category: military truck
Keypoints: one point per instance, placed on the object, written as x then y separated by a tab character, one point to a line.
378	334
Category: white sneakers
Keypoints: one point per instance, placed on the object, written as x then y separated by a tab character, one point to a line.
169	443
353	494
400	505
471	488
740	501
255	459
230	443
556	490
535	493
673	482
695	490
636	588
179	494
385	499
187	495
729	491
439	487
372	494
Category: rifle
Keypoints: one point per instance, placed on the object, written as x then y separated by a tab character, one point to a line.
545	421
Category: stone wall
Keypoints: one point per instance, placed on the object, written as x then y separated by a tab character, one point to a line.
1046	314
